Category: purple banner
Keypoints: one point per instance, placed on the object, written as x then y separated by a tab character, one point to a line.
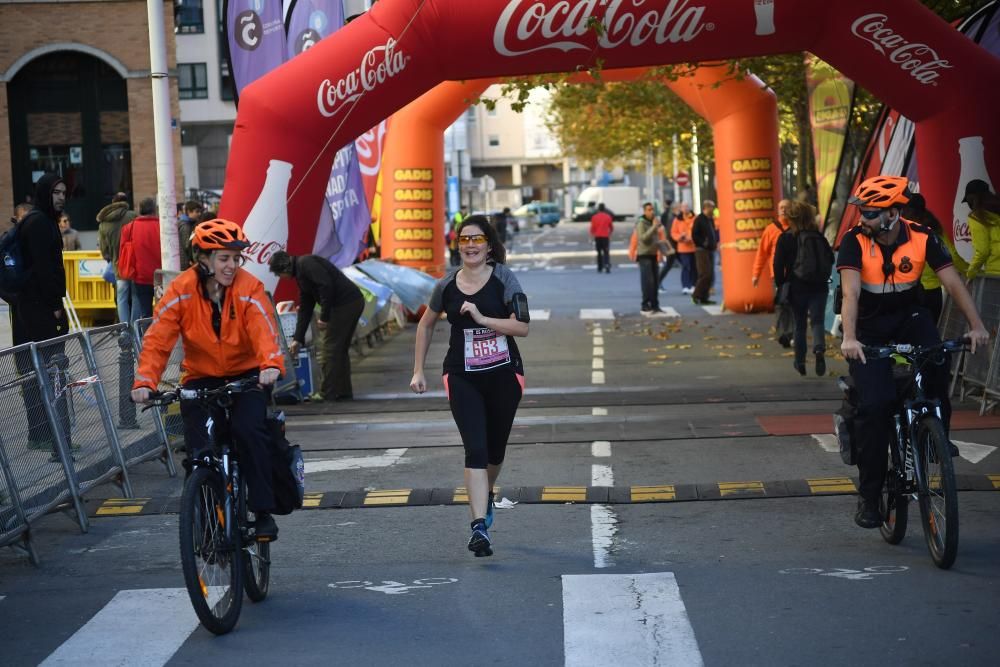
255	32
344	222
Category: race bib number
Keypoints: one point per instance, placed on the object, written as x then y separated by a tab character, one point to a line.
485	348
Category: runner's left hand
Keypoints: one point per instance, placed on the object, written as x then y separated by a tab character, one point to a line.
470	309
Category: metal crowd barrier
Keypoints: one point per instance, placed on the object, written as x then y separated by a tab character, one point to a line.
170	417
977	374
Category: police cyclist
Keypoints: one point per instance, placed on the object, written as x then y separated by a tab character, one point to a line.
880	263
225	322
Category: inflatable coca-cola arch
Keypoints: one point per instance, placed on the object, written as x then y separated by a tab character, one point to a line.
302	112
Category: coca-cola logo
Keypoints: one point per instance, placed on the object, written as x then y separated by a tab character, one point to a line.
564	25
916	58
369	147
260	251
377	66
248	30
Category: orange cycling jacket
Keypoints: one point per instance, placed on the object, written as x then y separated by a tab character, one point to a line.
248	338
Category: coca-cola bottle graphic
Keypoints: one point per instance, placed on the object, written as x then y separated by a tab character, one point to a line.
266	226
973	158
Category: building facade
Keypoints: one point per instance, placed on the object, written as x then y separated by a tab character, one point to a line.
76	99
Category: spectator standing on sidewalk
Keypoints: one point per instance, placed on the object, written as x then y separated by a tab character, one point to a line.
70	237
644	251
190	216
341	304
984	223
680	232
110	221
146	243
38	313
601	227
765	257
669	249
703	236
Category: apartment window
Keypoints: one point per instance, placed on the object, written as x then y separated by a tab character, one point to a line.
494	140
188	17
192	81
226	84
470	114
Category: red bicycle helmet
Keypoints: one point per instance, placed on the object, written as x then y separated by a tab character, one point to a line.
882	192
219	234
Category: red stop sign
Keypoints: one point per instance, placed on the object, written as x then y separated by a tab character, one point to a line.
682	178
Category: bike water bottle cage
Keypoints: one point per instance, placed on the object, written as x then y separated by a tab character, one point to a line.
520	305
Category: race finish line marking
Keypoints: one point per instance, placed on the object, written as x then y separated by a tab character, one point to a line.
597	314
541	315
390	457
626	619
828	442
143	627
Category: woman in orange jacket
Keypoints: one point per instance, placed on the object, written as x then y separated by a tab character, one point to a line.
225	322
765	257
680	232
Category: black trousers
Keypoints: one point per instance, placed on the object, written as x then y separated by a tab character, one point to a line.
668	264
483	405
647	280
249	432
704	272
36	322
877	391
603	247
145	299
337	349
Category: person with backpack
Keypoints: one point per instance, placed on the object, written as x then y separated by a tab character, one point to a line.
803	262
765	257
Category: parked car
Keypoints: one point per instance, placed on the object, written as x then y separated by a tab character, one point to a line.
540	213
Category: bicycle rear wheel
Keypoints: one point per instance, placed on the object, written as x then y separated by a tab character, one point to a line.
213	569
256	556
939	498
894	507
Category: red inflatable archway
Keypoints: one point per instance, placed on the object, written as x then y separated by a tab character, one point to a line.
302	112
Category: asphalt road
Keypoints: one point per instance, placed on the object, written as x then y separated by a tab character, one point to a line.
677	503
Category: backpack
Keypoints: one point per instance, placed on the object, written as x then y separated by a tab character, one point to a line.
13	272
126	254
287	467
814	259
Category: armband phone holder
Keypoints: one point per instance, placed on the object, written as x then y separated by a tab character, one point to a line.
520	305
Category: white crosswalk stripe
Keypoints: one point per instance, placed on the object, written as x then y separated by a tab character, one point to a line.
626	619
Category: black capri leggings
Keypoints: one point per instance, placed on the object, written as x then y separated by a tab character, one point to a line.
483	405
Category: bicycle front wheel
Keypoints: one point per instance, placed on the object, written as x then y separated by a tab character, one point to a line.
894	507
938	498
213	568
256	555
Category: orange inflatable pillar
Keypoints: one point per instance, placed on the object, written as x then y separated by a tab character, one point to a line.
413	222
744	118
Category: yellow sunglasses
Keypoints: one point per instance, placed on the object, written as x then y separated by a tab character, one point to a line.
478	239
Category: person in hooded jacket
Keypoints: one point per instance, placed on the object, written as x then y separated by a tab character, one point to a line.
37	313
110	221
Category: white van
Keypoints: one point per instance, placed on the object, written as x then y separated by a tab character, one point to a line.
622	201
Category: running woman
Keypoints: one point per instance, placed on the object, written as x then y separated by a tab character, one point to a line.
483	374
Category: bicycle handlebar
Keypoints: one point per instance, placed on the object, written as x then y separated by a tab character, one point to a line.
162	398
914	351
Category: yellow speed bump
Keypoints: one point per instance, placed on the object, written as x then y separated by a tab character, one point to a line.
121	506
563	494
831	485
645	494
312	499
388	497
995	479
741	489
461	495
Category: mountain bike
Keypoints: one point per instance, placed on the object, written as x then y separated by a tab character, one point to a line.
920	465
220	554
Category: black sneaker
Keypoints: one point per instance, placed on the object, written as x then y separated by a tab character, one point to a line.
480	543
868	515
266	528
785	341
820	364
800	366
